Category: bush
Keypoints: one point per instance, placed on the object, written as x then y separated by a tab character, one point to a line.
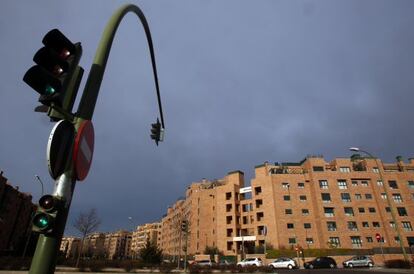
398	263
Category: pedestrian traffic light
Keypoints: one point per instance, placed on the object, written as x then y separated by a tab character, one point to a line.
44	218
184	225
156	132
56	77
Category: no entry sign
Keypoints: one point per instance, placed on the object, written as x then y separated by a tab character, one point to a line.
83	150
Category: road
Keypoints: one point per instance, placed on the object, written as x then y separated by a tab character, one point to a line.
297	271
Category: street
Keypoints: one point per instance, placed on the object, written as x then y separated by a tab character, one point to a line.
282	271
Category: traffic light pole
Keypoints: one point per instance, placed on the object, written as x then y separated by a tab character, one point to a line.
44	259
47	248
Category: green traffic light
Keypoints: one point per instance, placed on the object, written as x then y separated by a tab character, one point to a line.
41	221
49	90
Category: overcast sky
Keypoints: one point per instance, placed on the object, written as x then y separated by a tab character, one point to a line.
242	82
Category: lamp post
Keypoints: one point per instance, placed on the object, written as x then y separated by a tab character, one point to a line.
394	219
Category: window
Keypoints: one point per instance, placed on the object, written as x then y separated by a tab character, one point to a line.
412	196
286	197
329	211
302	198
288	211
384	196
410	184
290	226
368	196
307	225
342	184
349	211
228	195
292	241
352	226
344	169
364	183
318	168
331	226
326	197
397	198
392	225
365	224
334	241
376	224
285	185
397	239
372	210
309	241
393	184
354	183
358	196
361	210
369	239
323	184
229	219
375	170
257	190
356	241
407	226
388	209
305	212
301	185
259	216
380	183
346	198
402	211
228	207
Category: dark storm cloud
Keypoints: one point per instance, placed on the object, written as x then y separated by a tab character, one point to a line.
242	82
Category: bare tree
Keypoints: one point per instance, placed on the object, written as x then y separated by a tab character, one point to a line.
85	224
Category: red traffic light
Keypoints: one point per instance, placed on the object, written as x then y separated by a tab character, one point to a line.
378	237
47	202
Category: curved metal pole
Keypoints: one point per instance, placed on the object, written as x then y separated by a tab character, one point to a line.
90	94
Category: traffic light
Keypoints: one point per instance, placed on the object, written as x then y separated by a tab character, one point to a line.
157	132
56	77
44	219
184	225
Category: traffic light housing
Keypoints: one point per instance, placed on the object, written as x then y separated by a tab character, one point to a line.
45	218
184	225
157	132
56	75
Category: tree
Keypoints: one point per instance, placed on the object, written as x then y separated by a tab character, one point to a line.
212	250
150	253
86	223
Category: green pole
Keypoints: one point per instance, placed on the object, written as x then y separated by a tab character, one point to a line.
47	248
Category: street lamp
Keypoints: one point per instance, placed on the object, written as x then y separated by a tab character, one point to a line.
41	183
394	219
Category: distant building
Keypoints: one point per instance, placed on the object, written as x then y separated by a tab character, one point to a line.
69	246
16	209
150	231
310	204
94	245
117	245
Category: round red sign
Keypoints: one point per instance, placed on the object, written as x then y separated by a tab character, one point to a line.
83	150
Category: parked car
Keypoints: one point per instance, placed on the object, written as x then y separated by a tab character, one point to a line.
206	263
284	263
321	262
359	261
250	262
225	263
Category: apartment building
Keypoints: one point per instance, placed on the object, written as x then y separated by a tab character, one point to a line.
142	234
312	204
117	245
69	246
16	209
94	245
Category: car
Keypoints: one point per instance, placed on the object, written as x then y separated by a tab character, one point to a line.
203	263
250	262
284	263
321	262
359	261
225	263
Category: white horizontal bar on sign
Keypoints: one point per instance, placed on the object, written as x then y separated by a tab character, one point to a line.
244	238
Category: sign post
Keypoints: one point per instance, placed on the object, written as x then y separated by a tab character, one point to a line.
380	240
